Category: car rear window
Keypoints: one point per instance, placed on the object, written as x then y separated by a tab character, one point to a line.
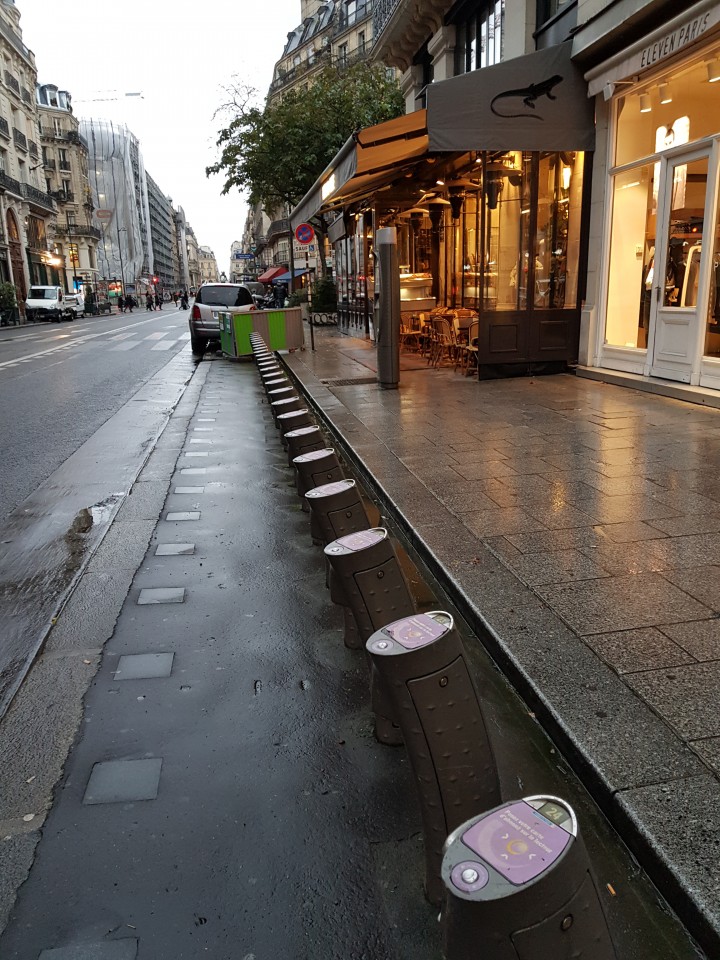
221	296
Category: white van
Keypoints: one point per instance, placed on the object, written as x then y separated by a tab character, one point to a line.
46	303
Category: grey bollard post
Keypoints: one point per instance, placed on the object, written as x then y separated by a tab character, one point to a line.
293	420
285	405
388	333
366	578
338	508
367	581
280	393
315	468
421	663
303	440
519	887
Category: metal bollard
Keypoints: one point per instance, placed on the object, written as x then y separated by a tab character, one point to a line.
518	887
293	420
366	577
280	393
339	509
303	440
285	405
421	663
315	468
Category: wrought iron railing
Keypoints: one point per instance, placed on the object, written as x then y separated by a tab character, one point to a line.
9	183
383	11
33	195
77	230
12	82
49	164
27	96
14	39
20	139
277	228
344	22
4	128
34	152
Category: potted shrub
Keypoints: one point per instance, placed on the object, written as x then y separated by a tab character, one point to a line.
8	304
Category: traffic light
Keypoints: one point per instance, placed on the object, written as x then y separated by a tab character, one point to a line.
156	280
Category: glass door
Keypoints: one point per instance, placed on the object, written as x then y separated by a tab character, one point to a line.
679	266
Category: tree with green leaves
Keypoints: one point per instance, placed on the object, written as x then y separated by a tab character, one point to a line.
275	154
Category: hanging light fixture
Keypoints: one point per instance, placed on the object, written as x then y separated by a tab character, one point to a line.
713	70
664	92
645	104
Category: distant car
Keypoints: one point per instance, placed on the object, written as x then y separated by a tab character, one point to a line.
209	300
74	304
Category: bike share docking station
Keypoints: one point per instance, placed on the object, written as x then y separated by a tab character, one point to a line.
518	887
367	581
314	468
338	508
303	440
421	663
293	420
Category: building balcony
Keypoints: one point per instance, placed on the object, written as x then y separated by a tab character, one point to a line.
77	230
34	152
37	198
49	164
4	128
19	139
12	83
10	185
15	41
278	228
63	196
64	165
26	96
400	27
362	13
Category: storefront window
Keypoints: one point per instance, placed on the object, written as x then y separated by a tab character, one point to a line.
557	233
507	228
632	257
469	255
712	335
675	108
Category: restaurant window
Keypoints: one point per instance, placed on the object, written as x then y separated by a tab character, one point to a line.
479	35
557	231
507	269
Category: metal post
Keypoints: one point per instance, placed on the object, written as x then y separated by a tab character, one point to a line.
421	662
388	334
310	321
518	885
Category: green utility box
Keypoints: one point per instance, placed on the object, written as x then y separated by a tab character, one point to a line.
227	342
280	329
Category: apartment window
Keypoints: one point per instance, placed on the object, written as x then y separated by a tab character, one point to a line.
343	53
48	186
547	9
3	161
63	161
479	36
361	41
57	127
66	187
21	169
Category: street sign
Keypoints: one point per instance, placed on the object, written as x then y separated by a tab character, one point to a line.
304	233
244	256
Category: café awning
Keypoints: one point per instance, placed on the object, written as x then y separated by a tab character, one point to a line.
368	160
284	276
536	102
270	274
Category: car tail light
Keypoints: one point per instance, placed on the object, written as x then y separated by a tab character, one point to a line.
195	312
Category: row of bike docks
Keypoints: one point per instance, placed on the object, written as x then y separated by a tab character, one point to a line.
511	875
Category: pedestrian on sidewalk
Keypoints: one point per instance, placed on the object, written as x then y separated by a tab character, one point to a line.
121	305
158	302
149	302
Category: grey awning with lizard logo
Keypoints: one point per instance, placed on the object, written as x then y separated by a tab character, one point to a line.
536	102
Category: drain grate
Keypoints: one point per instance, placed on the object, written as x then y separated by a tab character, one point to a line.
351	382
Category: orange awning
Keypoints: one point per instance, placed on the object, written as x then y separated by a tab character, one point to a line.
270	274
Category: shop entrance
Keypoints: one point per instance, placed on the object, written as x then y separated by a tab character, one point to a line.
677	274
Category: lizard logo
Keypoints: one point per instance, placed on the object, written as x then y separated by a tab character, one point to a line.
527	95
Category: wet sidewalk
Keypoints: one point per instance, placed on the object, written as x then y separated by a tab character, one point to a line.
577	526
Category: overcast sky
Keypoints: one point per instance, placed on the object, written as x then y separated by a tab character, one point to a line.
179	55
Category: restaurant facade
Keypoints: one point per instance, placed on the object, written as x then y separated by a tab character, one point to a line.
559	194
